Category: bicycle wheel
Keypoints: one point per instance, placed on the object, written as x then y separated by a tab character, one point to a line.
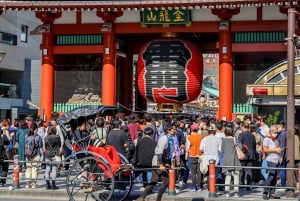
90	179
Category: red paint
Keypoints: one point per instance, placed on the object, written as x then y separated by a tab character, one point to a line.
260	91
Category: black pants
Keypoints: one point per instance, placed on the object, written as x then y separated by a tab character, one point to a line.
271	179
4	167
195	172
156	176
246	173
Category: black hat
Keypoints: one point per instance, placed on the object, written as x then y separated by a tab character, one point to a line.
282	122
131	117
246	117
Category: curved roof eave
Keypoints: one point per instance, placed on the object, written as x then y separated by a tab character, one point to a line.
110	5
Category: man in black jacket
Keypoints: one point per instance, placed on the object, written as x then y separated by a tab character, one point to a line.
143	154
248	141
3	156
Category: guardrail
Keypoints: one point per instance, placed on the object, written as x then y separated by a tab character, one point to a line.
213	184
212	187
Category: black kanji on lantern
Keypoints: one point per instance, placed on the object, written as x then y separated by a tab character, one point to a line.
166	64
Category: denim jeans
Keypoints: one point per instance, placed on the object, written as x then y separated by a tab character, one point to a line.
264	172
51	165
282	174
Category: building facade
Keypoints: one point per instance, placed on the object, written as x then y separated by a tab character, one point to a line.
20	68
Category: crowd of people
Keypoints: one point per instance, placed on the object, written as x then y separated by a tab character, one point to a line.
148	142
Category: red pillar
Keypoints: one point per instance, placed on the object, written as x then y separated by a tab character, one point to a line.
109	57
47	74
225	63
225	73
109	70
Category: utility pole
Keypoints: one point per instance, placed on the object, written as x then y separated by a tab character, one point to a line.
290	119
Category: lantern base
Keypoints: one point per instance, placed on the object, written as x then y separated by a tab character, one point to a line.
169	107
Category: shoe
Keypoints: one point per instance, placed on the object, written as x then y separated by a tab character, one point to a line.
194	188
227	195
27	186
236	195
220	193
265	196
199	188
55	187
274	196
34	186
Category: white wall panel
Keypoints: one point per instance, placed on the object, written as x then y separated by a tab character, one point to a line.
90	17
129	16
246	14
272	13
203	15
67	17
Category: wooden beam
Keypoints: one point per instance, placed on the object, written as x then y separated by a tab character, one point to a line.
259	47
78	49
198	27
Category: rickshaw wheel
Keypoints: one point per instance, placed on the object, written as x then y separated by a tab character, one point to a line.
123	180
90	178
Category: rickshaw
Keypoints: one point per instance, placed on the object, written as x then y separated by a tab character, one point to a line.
96	173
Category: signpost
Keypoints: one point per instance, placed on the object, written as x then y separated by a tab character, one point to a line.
166	17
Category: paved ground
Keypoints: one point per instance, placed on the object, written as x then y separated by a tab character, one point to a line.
183	193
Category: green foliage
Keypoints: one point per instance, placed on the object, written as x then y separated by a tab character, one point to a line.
273	118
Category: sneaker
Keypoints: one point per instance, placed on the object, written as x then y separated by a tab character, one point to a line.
274	196
34	186
236	195
265	196
199	188
227	195
27	186
220	193
194	188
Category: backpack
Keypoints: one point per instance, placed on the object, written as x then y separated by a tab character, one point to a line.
167	155
9	147
100	141
52	148
31	146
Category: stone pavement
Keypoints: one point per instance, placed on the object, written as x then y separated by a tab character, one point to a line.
183	194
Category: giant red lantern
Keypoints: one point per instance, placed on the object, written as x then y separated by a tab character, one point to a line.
170	70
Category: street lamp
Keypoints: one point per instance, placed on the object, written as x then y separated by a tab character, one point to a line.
2	55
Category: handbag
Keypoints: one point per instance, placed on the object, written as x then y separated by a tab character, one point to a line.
239	152
203	164
16	145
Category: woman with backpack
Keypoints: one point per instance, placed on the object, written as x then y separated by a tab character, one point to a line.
33	149
52	146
